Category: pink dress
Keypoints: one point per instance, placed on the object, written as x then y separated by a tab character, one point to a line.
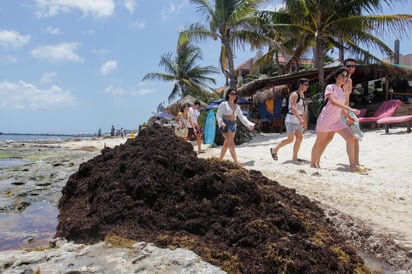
330	116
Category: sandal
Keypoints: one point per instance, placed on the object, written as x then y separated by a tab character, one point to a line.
360	170
274	155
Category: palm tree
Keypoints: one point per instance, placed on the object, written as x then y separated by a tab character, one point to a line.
233	22
324	25
189	78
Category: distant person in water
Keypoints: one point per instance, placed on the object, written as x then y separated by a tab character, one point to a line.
99	132
226	116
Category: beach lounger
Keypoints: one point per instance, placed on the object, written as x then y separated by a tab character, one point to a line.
407	119
386	109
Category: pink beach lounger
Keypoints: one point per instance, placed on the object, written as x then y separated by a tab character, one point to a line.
386	109
396	120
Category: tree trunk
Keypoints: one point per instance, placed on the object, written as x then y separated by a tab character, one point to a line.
320	60
231	65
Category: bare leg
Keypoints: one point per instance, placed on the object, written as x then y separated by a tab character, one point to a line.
356	144
231	144
199	141
224	147
322	140
296	145
350	147
283	143
325	143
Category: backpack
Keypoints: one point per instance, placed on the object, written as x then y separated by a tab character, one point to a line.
318	102
285	103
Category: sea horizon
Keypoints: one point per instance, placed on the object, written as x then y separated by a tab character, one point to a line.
31	137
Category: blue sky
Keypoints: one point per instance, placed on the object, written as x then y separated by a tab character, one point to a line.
74	66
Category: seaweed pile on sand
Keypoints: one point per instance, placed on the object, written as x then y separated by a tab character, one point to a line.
154	188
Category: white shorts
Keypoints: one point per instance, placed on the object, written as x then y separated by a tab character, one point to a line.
292	128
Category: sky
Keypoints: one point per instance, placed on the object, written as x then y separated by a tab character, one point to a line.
74	66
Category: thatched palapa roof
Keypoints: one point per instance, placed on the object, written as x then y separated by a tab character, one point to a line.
362	74
271	92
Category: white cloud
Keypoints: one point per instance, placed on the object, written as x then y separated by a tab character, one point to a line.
108	67
56	53
100	52
138	25
100	8
143	91
54	31
114	91
48	77
12	39
22	95
172	9
130	5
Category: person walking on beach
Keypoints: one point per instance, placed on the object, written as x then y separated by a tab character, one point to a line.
183	122
195	131
226	116
350	65
295	120
112	130
329	121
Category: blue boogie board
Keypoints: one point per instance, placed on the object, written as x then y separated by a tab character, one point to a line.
210	128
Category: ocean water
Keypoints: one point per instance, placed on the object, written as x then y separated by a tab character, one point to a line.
4	138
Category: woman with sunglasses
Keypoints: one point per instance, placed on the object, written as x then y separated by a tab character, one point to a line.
226	116
329	121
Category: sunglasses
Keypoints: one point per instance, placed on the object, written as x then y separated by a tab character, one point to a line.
234	94
350	66
344	75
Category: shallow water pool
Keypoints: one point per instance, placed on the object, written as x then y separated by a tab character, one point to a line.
33	227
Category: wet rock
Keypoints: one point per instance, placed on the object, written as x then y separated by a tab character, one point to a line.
36	174
67	257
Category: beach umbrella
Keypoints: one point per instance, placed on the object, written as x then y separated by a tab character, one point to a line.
217	102
240	101
164	115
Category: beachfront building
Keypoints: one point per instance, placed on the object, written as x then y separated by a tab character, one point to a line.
373	83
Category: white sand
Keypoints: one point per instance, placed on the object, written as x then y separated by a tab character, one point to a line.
382	199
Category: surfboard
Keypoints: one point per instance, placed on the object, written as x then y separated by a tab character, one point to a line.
210	128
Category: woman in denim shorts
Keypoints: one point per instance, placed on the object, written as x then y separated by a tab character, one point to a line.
226	116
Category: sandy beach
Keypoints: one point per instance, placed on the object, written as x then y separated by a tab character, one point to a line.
373	210
381	199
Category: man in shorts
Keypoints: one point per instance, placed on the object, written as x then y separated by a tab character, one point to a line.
295	120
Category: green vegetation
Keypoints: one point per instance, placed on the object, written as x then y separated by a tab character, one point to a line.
189	78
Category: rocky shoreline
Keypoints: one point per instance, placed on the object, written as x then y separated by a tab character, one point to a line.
43	174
